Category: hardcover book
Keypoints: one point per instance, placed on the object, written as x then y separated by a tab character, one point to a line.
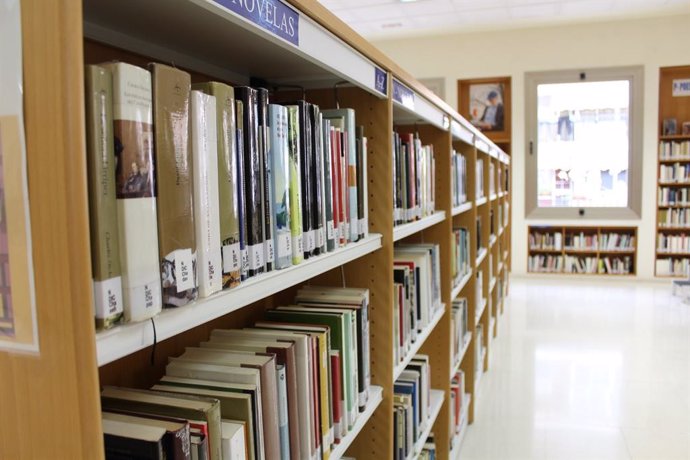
100	160
252	180
172	153
135	190
279	157
241	189
295	167
306	165
266	168
206	213
317	180
176	438
328	183
229	174
132	440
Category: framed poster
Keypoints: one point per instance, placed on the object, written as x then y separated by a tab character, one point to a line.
18	328
485	102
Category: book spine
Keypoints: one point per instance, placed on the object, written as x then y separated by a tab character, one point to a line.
252	179
362	224
240	188
283	413
317	180
307	165
205	157
352	175
176	239
335	185
266	178
363	355
344	189
135	191
228	177
278	156
328	184
105	256
338	429
295	185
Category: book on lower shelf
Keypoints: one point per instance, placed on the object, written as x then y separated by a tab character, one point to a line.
294	384
412	405
458	411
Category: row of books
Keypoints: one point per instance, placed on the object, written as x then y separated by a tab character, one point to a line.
674	150
677	172
673	243
479	294
581	241
616	265
479	351
411	406
458	178
417	293
674	196
460	264
545	263
613	241
492	178
577	264
674	218
429	449
545	241
414	172
458	411
196	188
296	381
479	179
671	266
459	326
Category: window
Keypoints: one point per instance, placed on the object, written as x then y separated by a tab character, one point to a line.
584	143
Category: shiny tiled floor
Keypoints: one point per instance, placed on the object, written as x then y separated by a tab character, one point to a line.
586	370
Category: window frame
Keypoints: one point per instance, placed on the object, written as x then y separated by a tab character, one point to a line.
635	75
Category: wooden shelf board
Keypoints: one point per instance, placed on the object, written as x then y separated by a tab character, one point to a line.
481	256
549	251
676	205
580	251
460	286
481	201
675	137
405	230
375	398
124	340
616	251
493	197
421	338
673	229
674	160
478	315
492	284
674	254
492	240
466	344
457	210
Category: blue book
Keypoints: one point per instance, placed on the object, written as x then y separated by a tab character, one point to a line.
283	428
278	157
409	388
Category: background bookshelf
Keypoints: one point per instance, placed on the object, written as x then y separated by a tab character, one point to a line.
672	258
210	42
582	250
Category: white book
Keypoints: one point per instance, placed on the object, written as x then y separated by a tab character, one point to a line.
136	199
206	212
232	440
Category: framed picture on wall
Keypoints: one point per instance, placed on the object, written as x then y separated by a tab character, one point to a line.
485	102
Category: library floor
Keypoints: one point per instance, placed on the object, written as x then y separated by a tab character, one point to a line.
586	370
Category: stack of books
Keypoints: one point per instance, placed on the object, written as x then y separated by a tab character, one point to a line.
411	405
417	293
414	170
197	188
291	386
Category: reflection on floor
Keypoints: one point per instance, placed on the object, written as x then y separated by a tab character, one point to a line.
586	370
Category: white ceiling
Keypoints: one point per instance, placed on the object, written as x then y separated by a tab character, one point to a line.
379	19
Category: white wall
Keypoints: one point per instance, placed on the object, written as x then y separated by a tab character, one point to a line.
654	43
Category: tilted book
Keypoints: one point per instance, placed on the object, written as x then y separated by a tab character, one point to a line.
295	184
279	157
266	180
228	180
206	214
172	153
135	191
348	117
252	180
100	160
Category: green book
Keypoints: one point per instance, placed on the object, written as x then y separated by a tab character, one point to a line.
100	160
295	185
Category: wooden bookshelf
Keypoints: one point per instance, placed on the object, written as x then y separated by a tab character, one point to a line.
210	42
555	243
675	264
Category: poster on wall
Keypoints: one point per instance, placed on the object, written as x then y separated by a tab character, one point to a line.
18	327
486	106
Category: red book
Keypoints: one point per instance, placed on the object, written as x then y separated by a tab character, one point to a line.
336	392
316	395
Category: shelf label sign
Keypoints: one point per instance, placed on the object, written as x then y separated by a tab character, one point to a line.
681	87
18	326
271	15
381	81
403	95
